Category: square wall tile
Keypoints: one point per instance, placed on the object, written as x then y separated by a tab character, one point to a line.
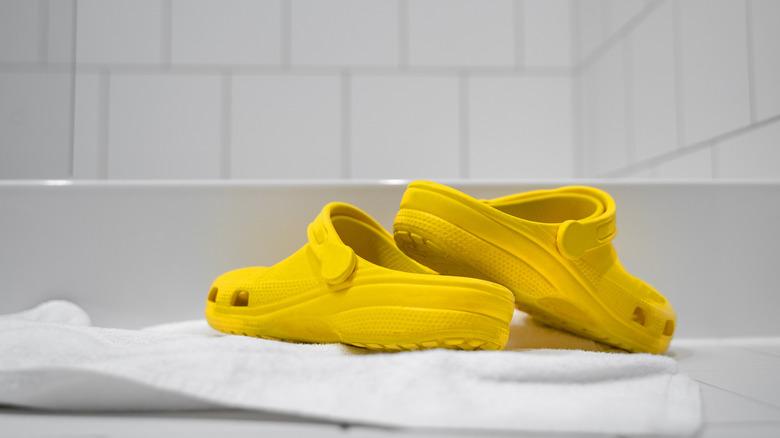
19	30
694	165
765	18
607	145
226	31
654	101
344	32
461	32
753	155
164	126
120	31
404	127
715	73
34	125
546	31
286	127
520	128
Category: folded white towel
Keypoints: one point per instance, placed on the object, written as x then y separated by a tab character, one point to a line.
51	358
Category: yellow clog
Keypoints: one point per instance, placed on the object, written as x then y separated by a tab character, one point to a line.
552	248
351	284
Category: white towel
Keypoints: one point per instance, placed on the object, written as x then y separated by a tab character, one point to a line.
50	357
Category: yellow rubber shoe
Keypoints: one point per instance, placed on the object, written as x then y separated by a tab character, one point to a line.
351	284
552	248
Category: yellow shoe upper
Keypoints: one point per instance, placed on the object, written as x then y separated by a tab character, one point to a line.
343	283
555	253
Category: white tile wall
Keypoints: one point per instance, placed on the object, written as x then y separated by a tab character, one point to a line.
699	73
120	31
520	128
714	67
344	32
755	155
591	26
765	20
462	32
19	31
695	165
405	127
653	102
89	136
164	127
608	148
477	88
226	31
546	41
286	127
34	125
60	32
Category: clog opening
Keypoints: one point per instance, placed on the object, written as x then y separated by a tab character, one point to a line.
560	208
369	244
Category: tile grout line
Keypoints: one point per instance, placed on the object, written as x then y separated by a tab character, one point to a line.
694	147
104	124
679	101
518	17
403	34
43	30
73	84
346	125
627	28
303	70
166	25
730	391
751	60
226	155
464	120
286	33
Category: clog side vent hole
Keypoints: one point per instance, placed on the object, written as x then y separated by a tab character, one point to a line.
240	298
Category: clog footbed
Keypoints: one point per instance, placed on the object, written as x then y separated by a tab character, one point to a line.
350	283
551	248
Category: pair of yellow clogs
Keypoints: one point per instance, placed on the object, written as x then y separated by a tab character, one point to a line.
451	278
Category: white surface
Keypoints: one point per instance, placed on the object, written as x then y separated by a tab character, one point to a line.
88	141
461	32
18	31
267	140
164	126
520	128
226	32
114	247
766	56
34	125
608	145
714	61
546	32
693	165
753	156
190	366
344	32
653	102
119	31
404	127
